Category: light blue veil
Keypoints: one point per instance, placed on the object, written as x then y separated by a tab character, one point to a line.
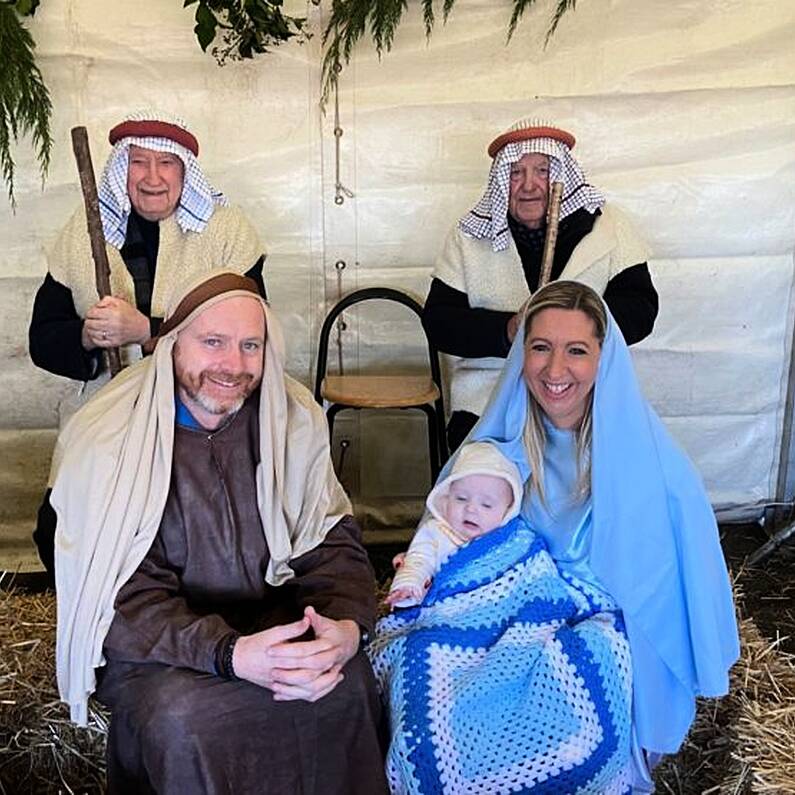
654	544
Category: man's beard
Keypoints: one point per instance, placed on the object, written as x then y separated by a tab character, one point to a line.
194	390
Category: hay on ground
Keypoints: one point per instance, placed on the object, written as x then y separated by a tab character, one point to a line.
763	686
41	751
744	743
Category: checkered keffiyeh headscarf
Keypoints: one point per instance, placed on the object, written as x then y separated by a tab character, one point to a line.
198	199
488	219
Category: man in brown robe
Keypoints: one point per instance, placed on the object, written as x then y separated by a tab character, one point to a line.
231	653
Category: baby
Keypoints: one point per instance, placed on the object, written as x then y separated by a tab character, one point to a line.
482	492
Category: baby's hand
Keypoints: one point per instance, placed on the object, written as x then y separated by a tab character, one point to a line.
397	561
407	596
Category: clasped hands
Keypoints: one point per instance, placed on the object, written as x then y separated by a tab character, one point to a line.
301	670
112	322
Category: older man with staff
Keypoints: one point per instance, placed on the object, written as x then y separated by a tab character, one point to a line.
163	223
491	262
210	574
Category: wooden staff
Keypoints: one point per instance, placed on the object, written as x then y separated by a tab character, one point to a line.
553	216
85	169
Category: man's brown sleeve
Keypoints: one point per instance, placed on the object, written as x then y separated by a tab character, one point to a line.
153	622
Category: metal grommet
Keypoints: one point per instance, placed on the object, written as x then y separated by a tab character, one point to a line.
340	265
339	200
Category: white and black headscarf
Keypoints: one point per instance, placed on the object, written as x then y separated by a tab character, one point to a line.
160	132
488	219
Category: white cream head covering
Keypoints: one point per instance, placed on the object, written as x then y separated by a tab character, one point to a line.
488	219
199	295
478	458
299	496
114	476
160	132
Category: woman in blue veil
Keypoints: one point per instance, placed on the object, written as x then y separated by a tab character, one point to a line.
618	504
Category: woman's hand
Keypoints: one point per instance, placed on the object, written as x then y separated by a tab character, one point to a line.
113	322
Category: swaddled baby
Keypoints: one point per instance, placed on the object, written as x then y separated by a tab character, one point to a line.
482	492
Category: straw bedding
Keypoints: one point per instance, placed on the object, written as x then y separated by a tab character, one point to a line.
744	743
40	750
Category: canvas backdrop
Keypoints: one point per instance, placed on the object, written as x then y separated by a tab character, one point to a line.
684	114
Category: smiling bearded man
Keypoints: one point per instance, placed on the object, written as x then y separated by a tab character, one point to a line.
210	574
214	377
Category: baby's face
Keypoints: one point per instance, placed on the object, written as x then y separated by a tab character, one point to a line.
476	504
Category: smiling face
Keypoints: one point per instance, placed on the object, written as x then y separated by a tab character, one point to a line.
529	194
154	182
218	359
560	363
476	504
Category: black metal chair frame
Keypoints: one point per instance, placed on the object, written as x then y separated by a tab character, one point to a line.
437	441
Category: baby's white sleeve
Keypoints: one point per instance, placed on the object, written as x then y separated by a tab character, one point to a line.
429	548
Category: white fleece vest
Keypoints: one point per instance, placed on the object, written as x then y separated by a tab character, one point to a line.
495	280
229	241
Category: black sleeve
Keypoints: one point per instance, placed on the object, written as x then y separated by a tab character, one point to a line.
54	335
255	273
633	302
454	327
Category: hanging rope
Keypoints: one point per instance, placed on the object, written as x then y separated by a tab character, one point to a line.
340	191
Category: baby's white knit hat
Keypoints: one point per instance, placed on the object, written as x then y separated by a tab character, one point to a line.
479	458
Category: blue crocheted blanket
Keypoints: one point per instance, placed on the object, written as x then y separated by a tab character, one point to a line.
508	678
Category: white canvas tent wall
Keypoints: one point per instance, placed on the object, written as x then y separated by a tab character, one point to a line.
684	114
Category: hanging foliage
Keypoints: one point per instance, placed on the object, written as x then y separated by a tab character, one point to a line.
244	27
25	105
238	29
248	27
350	20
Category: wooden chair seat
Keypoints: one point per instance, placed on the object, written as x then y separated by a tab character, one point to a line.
379	391
414	392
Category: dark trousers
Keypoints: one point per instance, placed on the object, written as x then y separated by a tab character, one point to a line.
175	731
44	536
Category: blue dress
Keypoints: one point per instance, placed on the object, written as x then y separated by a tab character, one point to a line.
647	535
565	524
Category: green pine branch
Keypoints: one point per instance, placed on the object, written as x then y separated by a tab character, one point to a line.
351	20
25	106
243	28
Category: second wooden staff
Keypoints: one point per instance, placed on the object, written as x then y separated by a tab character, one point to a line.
553	216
